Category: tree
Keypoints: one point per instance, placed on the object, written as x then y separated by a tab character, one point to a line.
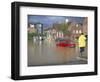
64	28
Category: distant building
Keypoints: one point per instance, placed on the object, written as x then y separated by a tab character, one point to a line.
31	28
55	31
75	29
85	25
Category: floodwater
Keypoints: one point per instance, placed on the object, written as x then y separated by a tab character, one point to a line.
41	53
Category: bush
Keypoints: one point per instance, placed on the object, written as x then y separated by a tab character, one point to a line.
31	35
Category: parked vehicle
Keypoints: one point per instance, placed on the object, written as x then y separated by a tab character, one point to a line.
66	43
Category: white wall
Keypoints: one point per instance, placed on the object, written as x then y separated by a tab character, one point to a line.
5	40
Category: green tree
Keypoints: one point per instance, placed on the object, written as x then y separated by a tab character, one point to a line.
64	28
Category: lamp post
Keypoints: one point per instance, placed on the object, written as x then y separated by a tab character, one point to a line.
39	27
66	20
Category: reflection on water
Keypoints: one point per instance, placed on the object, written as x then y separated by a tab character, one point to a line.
47	53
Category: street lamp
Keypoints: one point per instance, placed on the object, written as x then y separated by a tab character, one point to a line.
39	27
66	20
77	25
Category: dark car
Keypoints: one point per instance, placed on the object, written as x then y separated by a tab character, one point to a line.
66	43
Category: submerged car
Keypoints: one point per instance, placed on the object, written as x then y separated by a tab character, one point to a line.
66	43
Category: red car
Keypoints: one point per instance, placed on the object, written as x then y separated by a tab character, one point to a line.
66	43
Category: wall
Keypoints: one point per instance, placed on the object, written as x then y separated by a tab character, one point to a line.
5	40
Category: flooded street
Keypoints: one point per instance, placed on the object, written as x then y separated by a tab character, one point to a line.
47	53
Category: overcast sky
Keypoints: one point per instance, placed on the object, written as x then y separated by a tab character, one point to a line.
47	21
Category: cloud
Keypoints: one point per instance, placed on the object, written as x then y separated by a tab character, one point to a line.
47	21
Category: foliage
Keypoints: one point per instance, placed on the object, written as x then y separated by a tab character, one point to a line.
64	28
31	35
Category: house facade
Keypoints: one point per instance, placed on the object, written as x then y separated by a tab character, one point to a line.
85	25
75	29
31	28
